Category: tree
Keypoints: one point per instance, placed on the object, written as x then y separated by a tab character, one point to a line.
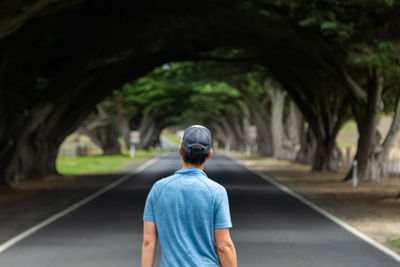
380	65
168	95
106	125
52	80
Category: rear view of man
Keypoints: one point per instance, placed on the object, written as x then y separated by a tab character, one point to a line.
189	212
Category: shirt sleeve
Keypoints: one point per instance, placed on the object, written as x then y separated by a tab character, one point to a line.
148	214
222	214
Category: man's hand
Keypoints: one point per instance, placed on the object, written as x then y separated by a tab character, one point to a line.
149	243
225	249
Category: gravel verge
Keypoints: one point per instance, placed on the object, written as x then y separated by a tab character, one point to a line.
371	208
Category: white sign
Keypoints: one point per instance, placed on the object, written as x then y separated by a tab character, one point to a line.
135	137
252	131
180	133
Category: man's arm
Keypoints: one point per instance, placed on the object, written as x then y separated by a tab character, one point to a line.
149	243
225	249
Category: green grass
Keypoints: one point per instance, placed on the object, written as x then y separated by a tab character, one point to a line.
144	154
394	241
173	138
349	126
348	135
397	191
100	163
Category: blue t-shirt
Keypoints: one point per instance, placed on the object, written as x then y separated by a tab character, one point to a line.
186	208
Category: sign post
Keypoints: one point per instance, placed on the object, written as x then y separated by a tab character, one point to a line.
134	139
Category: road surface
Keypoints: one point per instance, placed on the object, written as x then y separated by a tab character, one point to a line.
270	228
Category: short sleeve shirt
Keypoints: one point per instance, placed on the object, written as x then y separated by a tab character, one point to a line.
186	208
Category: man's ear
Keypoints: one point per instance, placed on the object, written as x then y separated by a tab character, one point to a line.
209	154
180	150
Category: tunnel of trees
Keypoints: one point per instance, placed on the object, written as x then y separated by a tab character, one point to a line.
89	65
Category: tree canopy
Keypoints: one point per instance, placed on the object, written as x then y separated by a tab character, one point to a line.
60	59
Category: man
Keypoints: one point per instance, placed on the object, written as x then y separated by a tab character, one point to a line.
189	212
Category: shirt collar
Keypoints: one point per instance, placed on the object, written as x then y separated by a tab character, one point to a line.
190	171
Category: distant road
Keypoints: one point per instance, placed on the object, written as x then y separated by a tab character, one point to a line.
271	228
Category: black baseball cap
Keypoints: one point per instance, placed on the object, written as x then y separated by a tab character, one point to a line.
197	140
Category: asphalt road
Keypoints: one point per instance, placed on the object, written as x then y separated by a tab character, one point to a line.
270	228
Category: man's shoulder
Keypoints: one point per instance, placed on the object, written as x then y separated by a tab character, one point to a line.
212	185
165	180
160	184
215	186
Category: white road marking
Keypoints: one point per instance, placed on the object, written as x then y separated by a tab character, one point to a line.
75	206
325	213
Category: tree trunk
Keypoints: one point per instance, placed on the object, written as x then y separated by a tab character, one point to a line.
107	138
325	111
234	138
23	155
367	116
147	130
230	138
324	163
103	133
237	125
373	164
292	135
277	102
27	163
294	125
43	166
328	156
262	121
308	147
264	138
122	124
157	133
220	135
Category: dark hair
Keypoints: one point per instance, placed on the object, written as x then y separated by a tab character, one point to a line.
196	159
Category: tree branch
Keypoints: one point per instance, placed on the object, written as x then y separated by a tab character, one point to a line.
355	89
342	116
394	129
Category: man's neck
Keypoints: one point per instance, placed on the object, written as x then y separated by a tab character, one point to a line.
188	165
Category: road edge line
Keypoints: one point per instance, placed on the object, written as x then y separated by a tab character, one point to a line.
11	242
325	213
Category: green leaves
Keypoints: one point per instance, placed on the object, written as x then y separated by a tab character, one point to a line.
389	2
387	57
178	92
308	21
329	25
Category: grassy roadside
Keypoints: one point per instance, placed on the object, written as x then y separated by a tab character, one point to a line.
101	164
348	135
394	241
173	138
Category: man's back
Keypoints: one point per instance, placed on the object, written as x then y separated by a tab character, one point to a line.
186	208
